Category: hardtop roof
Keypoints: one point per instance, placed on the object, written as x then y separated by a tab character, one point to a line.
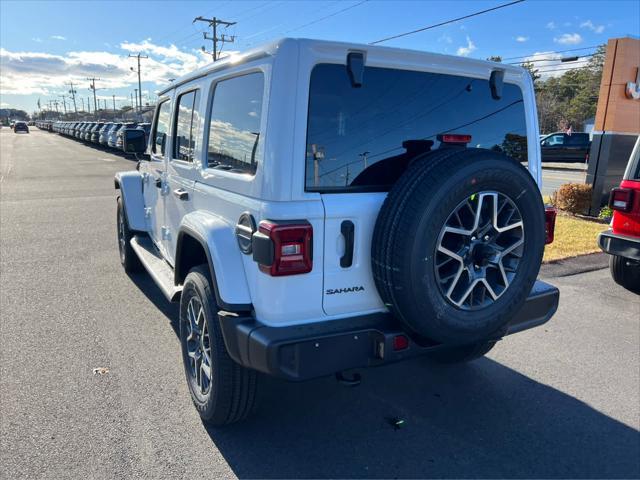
271	48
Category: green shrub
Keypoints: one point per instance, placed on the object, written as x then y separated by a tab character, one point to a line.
573	198
605	214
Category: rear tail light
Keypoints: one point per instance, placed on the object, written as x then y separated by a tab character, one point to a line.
621	199
549	224
454	138
286	248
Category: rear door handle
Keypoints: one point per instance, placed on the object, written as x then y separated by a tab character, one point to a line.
181	194
347	230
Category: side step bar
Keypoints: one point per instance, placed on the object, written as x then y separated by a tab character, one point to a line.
159	270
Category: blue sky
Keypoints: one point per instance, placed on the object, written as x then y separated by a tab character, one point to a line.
44	45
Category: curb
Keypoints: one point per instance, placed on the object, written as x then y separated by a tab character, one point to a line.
575	265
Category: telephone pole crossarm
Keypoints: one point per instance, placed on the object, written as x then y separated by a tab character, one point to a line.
213	23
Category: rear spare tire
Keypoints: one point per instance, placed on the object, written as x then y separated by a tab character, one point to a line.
458	244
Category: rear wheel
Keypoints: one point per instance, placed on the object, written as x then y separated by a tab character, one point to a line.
625	272
222	391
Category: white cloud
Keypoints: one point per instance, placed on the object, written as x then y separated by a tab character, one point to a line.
521	39
568	39
551	25
549	65
466	51
25	73
37	39
58	37
591	26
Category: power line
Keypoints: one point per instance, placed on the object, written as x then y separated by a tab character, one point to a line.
561	60
557	51
313	22
445	22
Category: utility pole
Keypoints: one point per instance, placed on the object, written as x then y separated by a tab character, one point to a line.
213	23
138	56
82	104
92	86
73	96
64	103
114	104
137	105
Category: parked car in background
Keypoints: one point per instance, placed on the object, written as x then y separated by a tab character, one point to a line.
104	133
95	132
86	136
20	127
562	147
111	140
622	240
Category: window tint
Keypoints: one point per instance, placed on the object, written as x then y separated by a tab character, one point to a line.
554	140
162	127
234	130
364	138
186	125
577	139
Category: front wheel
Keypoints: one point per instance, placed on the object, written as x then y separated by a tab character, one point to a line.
625	272
222	391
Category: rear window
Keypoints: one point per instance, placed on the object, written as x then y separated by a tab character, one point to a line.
362	139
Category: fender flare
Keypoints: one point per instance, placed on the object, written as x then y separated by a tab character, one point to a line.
130	186
226	268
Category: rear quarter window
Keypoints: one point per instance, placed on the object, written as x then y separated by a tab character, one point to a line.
363	138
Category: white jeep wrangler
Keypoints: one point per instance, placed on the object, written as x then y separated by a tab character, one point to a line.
317	207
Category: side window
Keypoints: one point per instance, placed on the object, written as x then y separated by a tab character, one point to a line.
234	128
186	125
161	128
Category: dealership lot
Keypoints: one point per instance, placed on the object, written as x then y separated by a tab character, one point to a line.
558	401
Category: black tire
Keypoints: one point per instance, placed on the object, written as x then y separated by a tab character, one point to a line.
406	236
128	257
232	388
461	354
625	273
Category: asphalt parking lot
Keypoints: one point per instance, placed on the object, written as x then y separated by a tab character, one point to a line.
562	400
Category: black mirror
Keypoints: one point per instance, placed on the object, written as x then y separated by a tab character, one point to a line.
133	141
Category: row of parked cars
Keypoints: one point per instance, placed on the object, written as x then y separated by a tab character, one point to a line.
108	134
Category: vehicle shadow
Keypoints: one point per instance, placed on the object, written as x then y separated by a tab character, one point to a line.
477	420
148	287
482	419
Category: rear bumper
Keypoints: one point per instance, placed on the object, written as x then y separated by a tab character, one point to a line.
619	245
314	350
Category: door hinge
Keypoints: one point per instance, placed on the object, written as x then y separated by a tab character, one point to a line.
166	233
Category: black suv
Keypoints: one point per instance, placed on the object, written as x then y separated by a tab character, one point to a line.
21	127
565	147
